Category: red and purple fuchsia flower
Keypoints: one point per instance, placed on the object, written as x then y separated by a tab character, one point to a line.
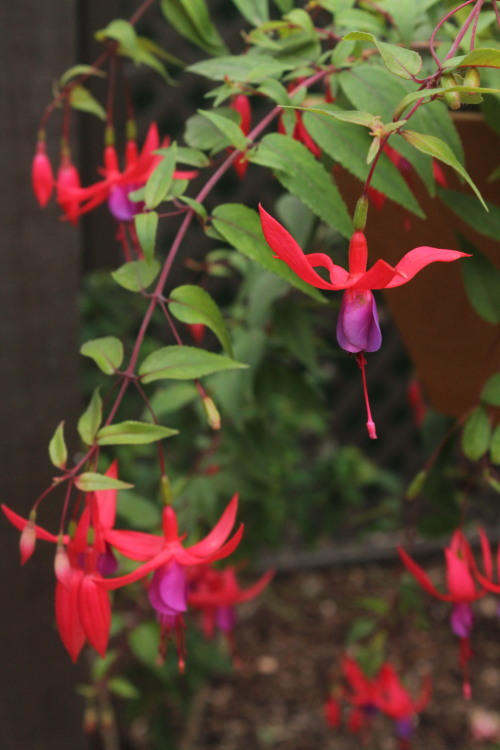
169	561
462	591
358	329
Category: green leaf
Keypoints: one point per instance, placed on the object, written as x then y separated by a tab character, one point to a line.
192	304
481	57
417	484
57	448
192	20
495	446
403	62
191	156
122	687
183	363
438	149
301	174
467	208
274	90
122	32
173	398
250	68
476	434
89	481
136	275
231	130
255	11
429	93
240	226
404	14
349	147
80	98
197	207
353	116
146	226
203	134
80	70
139	512
91	419
131	432
158	184
491	391
482	282
359	19
107	353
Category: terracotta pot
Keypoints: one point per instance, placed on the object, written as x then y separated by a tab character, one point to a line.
453	349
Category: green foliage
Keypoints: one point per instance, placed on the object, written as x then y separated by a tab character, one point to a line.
107	353
183	363
192	304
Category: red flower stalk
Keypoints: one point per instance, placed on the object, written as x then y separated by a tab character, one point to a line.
82	608
462	592
42	176
168	559
241	104
358	329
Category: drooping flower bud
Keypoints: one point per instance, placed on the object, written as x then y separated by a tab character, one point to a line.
212	413
68	183
42	176
472	78
62	567
452	98
27	540
197	331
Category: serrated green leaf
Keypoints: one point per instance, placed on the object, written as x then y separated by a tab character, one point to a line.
107	353
131	432
495	448
192	304
136	275
192	20
90	481
122	687
91	419
122	32
301	174
403	62
482	282
476	434
80	98
491	391
230	130
80	70
158	184
438	149
467	208
481	57
349	147
183	363
240	226
57	448
146	226
250	68
255	11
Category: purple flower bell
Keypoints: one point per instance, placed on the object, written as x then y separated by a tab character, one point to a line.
358	328
168	589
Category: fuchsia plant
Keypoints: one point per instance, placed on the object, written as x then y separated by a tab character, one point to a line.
282	62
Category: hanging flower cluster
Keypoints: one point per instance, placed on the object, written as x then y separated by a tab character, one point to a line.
366	697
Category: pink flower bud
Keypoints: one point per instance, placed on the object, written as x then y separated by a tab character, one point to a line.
27	541
42	177
68	183
197	331
62	567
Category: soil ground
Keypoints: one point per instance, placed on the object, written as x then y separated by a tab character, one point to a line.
291	641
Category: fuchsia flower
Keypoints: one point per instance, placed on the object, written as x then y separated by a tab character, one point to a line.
358	329
367	696
42	177
82	607
216	592
395	701
67	186
116	185
168	560
462	592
